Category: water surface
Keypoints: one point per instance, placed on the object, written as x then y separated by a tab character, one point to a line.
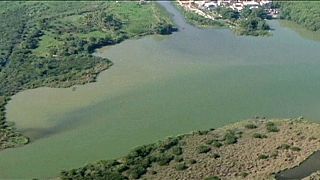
193	79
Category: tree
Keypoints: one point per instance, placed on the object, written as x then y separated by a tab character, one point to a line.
259	12
228	13
246	12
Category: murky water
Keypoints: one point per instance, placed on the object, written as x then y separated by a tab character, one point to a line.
193	79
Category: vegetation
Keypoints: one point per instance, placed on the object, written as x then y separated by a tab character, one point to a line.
215	155
197	20
164	159
178	159
157	160
209	141
228	13
284	146
132	166
294	148
181	166
252	22
250	126
304	13
248	22
203	149
191	161
259	136
50	44
263	156
212	178
177	150
217	144
271	127
244	174
230	137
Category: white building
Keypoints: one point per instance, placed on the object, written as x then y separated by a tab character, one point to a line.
251	4
237	6
211	5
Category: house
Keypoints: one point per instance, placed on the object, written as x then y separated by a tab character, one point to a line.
251	4
237	6
211	5
200	4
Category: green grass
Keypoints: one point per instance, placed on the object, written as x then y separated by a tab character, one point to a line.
95	34
46	42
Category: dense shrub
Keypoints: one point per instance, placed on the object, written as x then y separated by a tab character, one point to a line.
271	127
217	144
306	14
142	151
181	166
244	174
178	158
230	137
212	178
263	156
294	148
258	135
168	143
122	168
164	159
284	146
215	155
228	13
203	132
209	141
274	154
250	126
203	149
137	171
176	150
191	161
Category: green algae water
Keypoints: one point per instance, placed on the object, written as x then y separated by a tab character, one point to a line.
312	35
158	87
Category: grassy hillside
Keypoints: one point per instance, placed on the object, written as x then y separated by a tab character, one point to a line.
50	44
